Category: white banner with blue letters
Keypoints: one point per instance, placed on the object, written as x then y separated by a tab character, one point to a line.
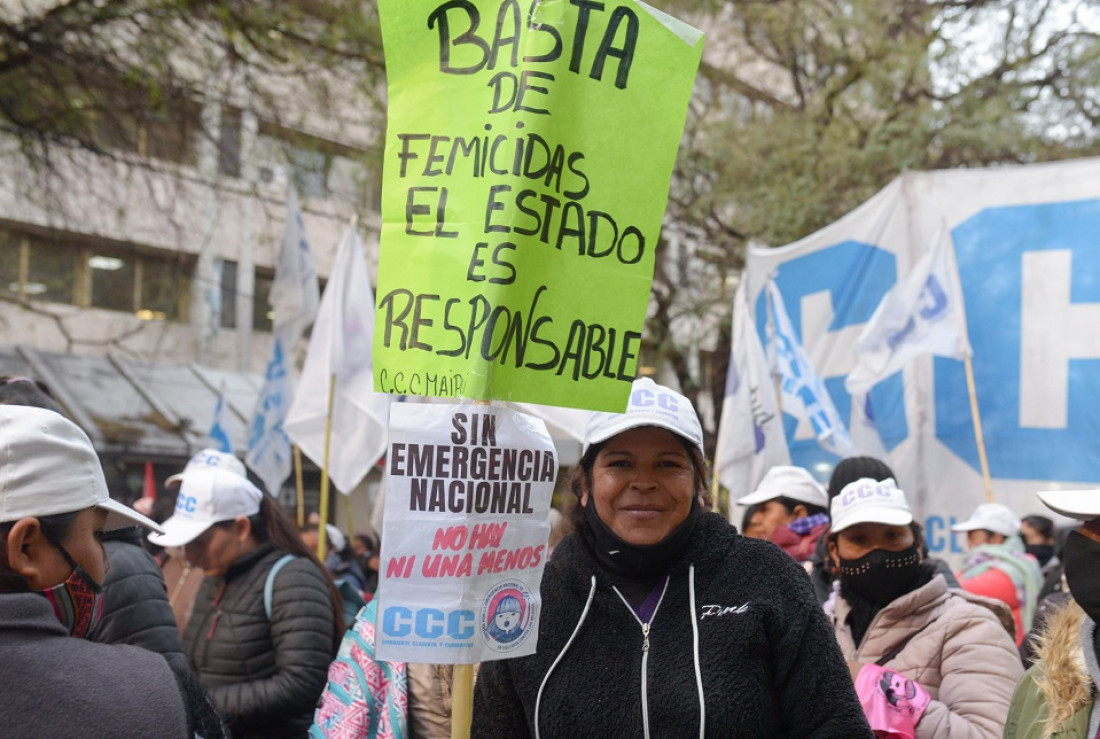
1027	245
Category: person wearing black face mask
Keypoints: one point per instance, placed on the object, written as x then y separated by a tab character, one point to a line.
899	624
1056	695
658	618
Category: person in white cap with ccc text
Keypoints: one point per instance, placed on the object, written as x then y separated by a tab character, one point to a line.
790	510
181	578
267	618
657	617
996	565
928	661
53	504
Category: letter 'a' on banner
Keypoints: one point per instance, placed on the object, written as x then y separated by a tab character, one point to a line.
529	150
467	501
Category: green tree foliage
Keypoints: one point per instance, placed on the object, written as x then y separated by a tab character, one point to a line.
97	75
805	108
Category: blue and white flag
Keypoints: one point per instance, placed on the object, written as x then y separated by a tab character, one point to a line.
750	434
219	430
269	450
923	315
295	294
294	300
802	391
864	429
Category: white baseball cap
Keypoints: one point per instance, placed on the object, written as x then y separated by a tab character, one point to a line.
49	466
786	481
994	517
650	404
1084	505
867	500
207	497
209	459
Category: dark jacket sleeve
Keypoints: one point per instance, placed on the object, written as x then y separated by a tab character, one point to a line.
301	634
136	610
498	711
815	689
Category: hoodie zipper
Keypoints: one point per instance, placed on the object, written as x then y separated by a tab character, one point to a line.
645	651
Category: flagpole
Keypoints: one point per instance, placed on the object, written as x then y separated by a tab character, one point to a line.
970	386
324	471
350	516
299	486
462	687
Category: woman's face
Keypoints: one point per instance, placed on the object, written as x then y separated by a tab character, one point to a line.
643	481
82	544
769	516
214	550
857	541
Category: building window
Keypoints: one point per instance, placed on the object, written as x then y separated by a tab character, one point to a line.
261	311
319	168
56	269
112	281
262	314
228	272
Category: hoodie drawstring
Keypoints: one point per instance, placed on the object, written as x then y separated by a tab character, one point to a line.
576	630
695	650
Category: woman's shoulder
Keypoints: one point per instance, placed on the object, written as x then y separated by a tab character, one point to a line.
969	610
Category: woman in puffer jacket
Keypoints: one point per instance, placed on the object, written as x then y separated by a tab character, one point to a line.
927	660
267	618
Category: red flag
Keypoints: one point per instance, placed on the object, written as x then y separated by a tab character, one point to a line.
149	489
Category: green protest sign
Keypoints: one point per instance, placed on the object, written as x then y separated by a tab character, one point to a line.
528	155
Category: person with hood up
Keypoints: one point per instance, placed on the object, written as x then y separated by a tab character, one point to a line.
928	661
791	510
659	619
996	565
1057	696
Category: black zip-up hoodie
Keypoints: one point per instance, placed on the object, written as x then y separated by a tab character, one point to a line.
738	643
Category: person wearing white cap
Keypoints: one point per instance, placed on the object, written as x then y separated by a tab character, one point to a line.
790	510
180	577
53	504
1057	696
996	565
928	661
658	618
267	619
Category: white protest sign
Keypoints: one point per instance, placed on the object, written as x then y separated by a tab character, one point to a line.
464	533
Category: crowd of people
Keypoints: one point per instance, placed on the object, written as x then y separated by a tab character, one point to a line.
824	616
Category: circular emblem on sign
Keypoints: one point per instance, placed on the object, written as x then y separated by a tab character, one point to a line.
506	616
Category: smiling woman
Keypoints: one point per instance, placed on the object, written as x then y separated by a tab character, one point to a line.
657	612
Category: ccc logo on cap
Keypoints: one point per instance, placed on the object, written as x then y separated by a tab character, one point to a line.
186	504
643	398
867	491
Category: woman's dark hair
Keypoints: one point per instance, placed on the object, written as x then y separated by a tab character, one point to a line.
790	504
1042	525
746	519
582	473
19	390
272	524
55	528
856	468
